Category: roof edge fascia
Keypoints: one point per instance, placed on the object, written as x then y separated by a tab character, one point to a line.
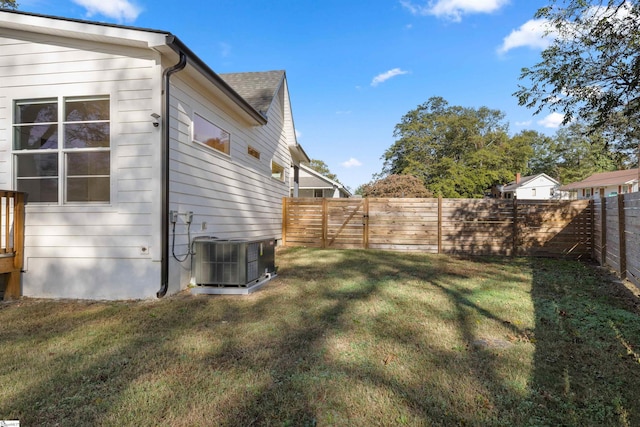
82	29
126	36
199	65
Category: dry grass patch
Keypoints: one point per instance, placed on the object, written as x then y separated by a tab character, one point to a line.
339	338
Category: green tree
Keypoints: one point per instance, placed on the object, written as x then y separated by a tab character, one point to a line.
591	70
394	186
580	153
572	154
455	151
8	4
322	168
544	153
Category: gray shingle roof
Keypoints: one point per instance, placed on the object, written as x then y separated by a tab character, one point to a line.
604	179
257	88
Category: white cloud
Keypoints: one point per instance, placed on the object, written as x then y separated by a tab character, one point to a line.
343	112
532	33
351	163
120	10
553	120
539	34
525	123
453	9
225	49
381	78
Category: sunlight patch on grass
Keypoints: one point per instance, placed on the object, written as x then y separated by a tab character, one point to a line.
338	338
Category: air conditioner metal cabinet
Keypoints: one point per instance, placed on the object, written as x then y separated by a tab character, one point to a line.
233	262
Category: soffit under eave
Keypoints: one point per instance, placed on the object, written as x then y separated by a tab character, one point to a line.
298	155
213	93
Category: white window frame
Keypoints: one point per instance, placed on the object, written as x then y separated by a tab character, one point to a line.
277	176
61	151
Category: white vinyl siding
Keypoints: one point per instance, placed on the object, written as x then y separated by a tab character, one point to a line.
234	195
112	250
68	246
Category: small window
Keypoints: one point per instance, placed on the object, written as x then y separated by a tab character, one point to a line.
317	193
210	135
533	192
253	152
277	171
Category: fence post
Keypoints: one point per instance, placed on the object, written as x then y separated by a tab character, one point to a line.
325	223
603	227
440	224
514	251
365	223
284	221
592	230
622	238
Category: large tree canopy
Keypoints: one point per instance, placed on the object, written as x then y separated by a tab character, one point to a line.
455	151
573	154
8	4
591	70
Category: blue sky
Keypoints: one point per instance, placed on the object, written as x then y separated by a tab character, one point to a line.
354	67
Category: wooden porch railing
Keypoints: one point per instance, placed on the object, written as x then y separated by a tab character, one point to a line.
12	240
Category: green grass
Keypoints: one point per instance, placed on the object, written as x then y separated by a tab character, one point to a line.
338	338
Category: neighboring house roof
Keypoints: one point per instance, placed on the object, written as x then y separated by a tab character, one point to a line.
258	88
605	179
513	185
316	180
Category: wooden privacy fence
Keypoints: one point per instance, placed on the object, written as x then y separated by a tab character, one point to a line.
616	239
11	240
452	226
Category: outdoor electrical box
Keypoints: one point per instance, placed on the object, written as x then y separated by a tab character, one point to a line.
233	262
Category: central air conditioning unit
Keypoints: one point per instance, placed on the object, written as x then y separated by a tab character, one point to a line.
233	262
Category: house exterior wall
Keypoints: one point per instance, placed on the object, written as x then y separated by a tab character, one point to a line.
607	191
84	250
326	192
231	196
540	189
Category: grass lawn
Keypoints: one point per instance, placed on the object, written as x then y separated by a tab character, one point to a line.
339	338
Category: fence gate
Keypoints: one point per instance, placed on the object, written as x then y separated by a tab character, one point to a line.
345	223
339	223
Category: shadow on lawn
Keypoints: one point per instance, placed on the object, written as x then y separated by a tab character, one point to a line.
586	366
330	351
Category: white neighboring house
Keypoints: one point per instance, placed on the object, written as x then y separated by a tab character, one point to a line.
604	184
314	184
534	187
109	129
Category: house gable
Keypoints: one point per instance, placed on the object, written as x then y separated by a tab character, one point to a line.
314	184
534	187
